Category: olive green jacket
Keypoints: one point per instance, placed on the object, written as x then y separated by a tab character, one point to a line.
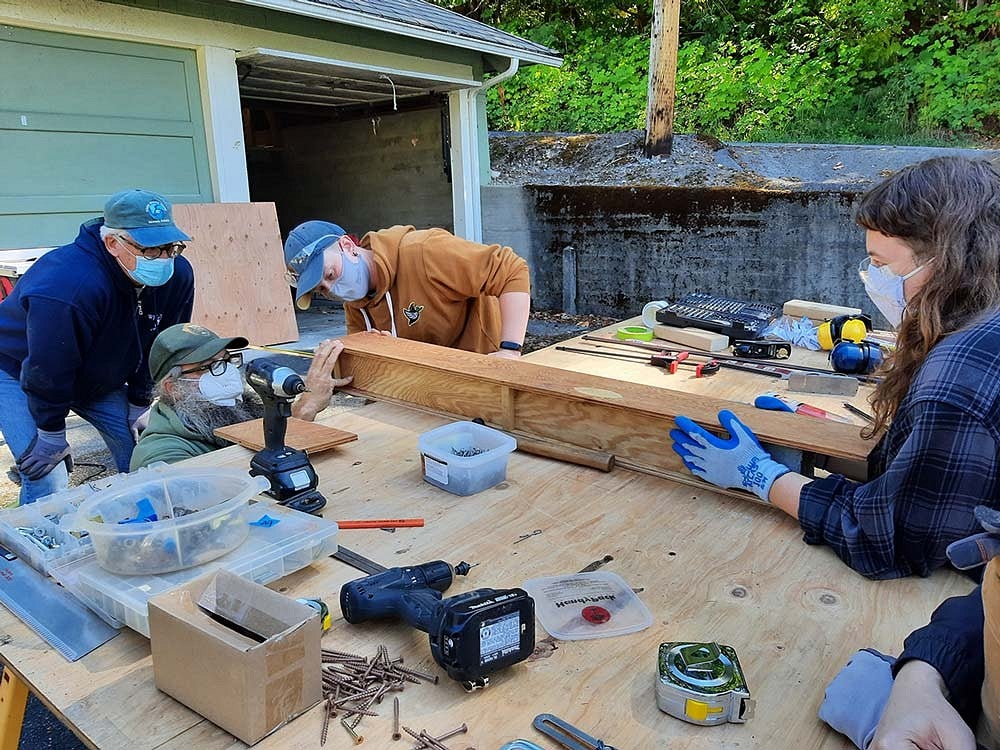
167	439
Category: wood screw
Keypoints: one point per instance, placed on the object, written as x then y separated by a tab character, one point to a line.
358	739
395	719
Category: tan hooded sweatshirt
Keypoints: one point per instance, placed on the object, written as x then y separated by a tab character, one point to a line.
434	287
989	726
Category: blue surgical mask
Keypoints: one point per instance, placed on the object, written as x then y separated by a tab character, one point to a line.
354	282
152	272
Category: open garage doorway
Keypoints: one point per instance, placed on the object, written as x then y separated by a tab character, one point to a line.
363	149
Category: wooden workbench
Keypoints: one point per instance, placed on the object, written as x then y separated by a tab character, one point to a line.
730	384
707	566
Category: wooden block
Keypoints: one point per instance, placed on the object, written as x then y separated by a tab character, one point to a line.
310	437
799	308
239	270
692	337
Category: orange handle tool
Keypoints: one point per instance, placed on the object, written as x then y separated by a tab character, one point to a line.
382	523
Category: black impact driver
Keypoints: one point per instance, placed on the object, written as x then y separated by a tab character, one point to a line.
293	479
471	635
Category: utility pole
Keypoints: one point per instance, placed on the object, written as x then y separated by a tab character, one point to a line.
662	76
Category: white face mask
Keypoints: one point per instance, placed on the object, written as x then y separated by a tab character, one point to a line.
885	288
223	389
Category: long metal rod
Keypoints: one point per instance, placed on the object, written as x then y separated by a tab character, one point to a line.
726	357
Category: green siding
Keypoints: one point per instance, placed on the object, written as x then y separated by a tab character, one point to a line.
81	118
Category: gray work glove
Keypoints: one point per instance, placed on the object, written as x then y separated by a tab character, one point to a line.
46	451
138	420
979	549
855	699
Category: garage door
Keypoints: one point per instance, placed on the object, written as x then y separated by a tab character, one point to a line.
81	118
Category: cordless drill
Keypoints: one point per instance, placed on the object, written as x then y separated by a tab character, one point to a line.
471	635
293	479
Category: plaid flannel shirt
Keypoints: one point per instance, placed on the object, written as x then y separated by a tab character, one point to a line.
938	460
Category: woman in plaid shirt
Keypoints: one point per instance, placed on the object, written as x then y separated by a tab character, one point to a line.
933	269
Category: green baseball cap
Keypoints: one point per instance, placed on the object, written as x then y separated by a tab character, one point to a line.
147	216
187	344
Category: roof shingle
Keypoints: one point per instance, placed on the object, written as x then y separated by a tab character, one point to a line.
428	16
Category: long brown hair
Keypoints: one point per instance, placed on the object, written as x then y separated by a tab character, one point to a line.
946	209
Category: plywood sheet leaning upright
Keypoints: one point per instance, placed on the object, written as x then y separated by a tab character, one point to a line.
239	270
628	420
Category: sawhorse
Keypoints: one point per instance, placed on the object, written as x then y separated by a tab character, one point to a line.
13	700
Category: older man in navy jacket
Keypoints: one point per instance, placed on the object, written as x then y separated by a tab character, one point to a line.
75	335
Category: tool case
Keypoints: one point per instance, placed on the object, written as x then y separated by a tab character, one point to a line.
730	317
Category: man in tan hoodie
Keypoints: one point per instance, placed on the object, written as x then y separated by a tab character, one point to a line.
427	285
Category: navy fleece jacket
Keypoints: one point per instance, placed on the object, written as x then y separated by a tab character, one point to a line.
76	328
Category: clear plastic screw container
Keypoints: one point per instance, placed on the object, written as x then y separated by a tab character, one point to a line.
177	519
464	457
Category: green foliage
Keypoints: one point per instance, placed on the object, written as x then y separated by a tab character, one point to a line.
795	70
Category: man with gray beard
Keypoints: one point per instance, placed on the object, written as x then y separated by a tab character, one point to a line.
200	387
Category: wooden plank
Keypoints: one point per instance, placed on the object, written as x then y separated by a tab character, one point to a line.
693	337
239	270
800	308
311	437
625	419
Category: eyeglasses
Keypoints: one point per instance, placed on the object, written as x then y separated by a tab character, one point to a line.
218	366
170	250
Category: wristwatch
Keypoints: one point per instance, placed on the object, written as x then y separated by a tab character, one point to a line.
510	345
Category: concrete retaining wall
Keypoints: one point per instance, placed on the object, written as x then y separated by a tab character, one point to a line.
609	250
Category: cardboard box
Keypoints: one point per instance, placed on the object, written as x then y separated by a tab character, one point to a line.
251	668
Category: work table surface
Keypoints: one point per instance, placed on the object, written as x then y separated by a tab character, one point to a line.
730	384
708	567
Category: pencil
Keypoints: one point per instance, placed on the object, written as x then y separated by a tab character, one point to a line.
382	523
861	413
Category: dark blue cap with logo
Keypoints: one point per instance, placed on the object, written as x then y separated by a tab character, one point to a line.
148	217
304	256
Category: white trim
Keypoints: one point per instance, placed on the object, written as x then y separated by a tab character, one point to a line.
284	55
351	18
220	92
466	200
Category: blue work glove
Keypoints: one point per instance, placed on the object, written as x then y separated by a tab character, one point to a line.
138	419
855	699
739	462
44	453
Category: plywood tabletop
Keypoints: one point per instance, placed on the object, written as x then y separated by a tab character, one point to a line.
707	566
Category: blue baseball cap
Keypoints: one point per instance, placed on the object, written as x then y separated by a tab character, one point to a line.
304	257
148	217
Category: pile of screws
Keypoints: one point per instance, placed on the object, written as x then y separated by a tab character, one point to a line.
39	537
467	452
353	684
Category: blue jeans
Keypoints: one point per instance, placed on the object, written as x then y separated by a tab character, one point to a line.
108	415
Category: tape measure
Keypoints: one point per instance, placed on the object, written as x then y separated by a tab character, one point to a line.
324	612
702	683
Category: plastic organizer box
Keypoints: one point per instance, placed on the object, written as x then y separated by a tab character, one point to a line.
279	542
44	518
167	520
464	457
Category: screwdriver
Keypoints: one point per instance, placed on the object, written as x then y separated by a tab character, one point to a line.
774	402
